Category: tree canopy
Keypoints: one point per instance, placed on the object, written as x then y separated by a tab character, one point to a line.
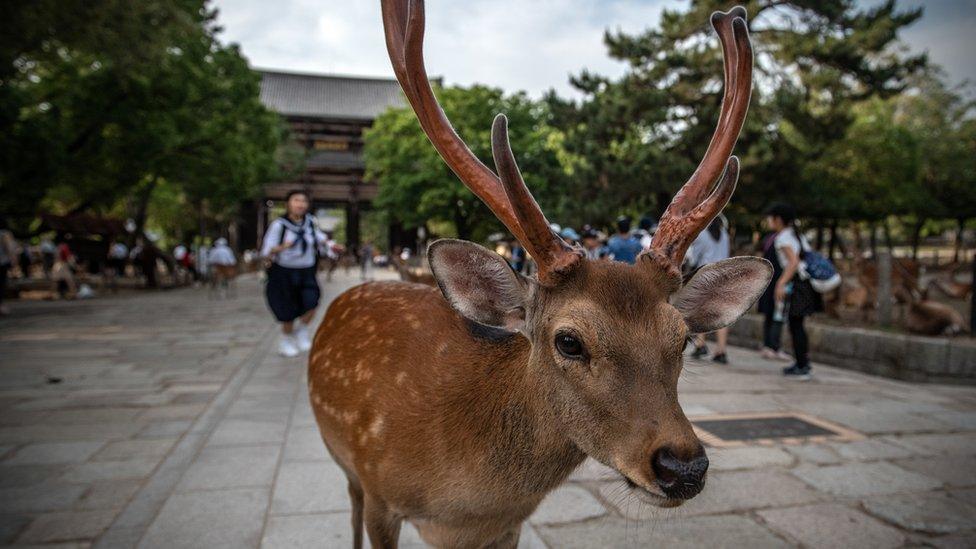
416	186
103	101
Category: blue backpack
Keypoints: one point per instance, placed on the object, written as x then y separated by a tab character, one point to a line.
819	270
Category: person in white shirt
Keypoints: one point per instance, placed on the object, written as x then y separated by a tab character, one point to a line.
788	297
292	243
711	245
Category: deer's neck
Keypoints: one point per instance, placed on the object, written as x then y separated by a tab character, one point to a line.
516	443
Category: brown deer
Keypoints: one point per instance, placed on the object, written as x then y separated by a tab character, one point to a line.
459	409
410	274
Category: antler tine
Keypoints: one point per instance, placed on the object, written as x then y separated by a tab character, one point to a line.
697	203
550	252
512	204
403	23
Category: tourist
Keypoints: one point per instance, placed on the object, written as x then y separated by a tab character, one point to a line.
366	253
645	231
222	265
118	253
592	247
48	252
623	246
8	251
25	260
291	243
63	272
569	236
787	297
710	246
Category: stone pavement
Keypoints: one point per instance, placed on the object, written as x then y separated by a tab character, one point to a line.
166	420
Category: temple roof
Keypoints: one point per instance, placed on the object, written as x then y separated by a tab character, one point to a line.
328	96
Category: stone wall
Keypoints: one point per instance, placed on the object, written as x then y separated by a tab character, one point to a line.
897	355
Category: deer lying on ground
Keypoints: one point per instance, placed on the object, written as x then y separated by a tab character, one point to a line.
410	274
460	409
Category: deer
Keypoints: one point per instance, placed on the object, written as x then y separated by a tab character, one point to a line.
459	407
409	274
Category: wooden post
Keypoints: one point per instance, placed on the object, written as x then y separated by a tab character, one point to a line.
884	287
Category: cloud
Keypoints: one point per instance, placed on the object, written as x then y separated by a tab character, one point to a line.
514	44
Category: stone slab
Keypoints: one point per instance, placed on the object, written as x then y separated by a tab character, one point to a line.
955	470
567	504
714	532
53	453
724	492
749	457
137	448
932	513
67	526
214	519
830	526
864	479
310	487
231	467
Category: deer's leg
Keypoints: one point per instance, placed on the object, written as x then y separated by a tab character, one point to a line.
382	527
356	496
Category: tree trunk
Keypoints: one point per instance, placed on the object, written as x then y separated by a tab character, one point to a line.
820	234
142	209
917	237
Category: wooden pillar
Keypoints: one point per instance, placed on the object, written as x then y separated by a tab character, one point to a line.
352	225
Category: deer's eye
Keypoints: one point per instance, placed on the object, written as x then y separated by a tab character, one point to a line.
569	346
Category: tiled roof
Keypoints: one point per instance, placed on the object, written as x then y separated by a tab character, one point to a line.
328	96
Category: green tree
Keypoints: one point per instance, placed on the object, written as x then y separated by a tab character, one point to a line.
145	95
814	61
416	186
941	119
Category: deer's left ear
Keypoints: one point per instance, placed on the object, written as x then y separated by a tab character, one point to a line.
719	293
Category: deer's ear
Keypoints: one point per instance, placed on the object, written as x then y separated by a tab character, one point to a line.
479	284
719	293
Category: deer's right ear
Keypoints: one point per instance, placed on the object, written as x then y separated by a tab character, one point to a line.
479	284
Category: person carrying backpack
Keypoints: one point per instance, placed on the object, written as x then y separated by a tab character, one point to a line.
789	296
291	243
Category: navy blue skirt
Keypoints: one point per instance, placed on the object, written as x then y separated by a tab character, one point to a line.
291	292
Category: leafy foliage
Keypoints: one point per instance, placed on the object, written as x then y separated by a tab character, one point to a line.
101	101
416	186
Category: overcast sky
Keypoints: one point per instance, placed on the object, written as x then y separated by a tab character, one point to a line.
515	44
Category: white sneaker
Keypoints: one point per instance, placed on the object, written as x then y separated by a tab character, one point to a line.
287	346
302	336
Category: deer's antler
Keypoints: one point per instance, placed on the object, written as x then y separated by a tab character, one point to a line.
512	203
697	202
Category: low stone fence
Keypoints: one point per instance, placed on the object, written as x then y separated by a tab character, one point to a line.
890	354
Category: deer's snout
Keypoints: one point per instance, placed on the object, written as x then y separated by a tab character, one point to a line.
680	478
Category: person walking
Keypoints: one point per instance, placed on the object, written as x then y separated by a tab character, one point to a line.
291	243
624	246
223	266
8	251
788	297
710	246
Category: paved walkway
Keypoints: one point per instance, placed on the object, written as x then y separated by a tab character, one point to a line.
162	420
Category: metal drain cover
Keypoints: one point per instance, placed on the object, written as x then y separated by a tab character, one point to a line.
788	428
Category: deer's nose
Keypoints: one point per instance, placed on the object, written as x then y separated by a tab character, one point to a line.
680	478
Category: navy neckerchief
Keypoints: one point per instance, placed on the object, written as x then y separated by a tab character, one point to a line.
299	230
